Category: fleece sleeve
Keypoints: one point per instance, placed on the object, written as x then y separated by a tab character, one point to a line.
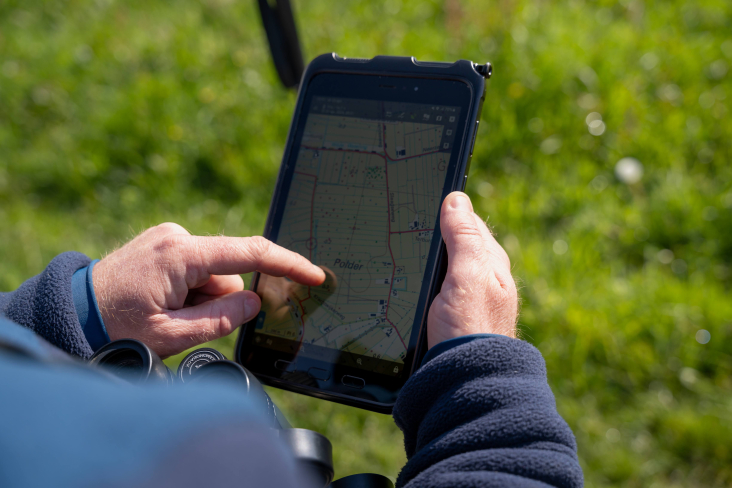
45	305
481	414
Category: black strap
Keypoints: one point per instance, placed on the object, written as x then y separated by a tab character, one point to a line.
279	24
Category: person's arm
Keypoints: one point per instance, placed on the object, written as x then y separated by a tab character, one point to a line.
64	425
166	288
45	305
479	411
482	414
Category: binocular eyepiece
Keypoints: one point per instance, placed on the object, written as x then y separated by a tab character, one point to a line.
133	361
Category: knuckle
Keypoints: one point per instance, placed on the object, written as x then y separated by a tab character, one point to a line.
457	295
259	247
170	228
509	289
225	326
171	244
221	323
467	229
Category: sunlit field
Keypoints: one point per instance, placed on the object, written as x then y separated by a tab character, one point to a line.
602	163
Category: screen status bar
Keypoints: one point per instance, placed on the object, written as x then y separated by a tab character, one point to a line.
393	112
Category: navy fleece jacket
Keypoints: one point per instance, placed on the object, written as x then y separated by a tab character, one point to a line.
476	414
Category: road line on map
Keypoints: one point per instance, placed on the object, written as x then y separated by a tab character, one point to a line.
310	254
385	155
388	241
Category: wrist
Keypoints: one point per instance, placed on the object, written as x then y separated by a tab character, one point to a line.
451	343
437	337
87	308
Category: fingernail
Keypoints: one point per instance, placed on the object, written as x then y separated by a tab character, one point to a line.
251	307
461	202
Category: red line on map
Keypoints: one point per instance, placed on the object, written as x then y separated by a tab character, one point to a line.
393	264
310	255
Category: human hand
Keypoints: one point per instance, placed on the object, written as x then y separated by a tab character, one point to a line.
478	294
173	291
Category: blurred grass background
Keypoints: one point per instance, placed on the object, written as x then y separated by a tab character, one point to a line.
115	116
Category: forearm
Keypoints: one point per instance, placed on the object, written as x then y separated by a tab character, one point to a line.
45	305
482	414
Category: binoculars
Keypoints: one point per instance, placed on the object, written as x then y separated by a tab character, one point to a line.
133	361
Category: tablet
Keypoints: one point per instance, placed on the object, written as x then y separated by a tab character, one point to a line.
374	148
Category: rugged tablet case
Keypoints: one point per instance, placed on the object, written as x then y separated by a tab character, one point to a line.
475	75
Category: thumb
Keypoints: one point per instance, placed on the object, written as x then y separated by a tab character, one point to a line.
463	238
209	320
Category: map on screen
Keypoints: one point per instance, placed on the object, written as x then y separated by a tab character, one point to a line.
362	204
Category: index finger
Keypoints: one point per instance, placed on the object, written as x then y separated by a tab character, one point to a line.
219	255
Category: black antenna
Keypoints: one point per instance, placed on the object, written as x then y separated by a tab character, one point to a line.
279	24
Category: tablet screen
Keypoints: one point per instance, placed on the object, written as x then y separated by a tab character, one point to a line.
362	204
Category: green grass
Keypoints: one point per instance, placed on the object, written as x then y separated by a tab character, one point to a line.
115	116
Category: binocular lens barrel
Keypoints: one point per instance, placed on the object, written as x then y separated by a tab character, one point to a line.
314	453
